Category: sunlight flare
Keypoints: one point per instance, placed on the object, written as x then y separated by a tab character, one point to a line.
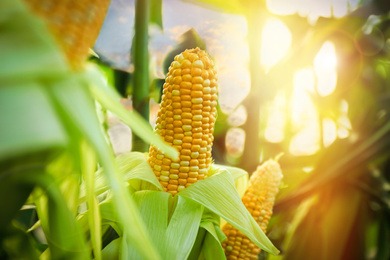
325	64
276	41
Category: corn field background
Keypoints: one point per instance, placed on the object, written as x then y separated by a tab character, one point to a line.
306	82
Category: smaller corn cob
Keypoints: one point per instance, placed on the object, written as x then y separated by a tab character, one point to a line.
259	200
74	23
186	120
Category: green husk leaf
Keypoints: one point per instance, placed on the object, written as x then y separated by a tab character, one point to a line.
135	170
174	228
109	99
111	251
218	194
240	176
212	248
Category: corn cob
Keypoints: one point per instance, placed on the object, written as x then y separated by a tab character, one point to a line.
186	120
74	23
259	200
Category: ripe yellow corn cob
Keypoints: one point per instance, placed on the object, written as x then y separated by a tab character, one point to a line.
74	23
186	120
259	200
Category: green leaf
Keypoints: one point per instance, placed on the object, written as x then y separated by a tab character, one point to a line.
109	99
76	106
22	107
212	248
63	233
173	229
111	251
88	171
155	13
218	194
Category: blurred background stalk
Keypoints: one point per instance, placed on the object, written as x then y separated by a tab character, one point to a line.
140	53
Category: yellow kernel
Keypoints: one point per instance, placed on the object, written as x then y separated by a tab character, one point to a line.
186	103
177	123
187	77
192	57
184	169
178	136
184	163
186	64
195	148
185	91
174	171
205	97
180	188
166	161
164	178
193	174
185	158
196	124
197	100
177	130
187	145
179	57
177	111
186	84
192	180
196	94
206	83
197	80
187	128
185	97
177	142
175	64
187	121
197	87
197	107
176	105
197	129
176	92
202	150
165	173
189	133
183	178
198	64
172	187
174	176
157	167
186	152
194	162
186	115
194	168
187	139
175	165
194	155
196	71
197	135
160	156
